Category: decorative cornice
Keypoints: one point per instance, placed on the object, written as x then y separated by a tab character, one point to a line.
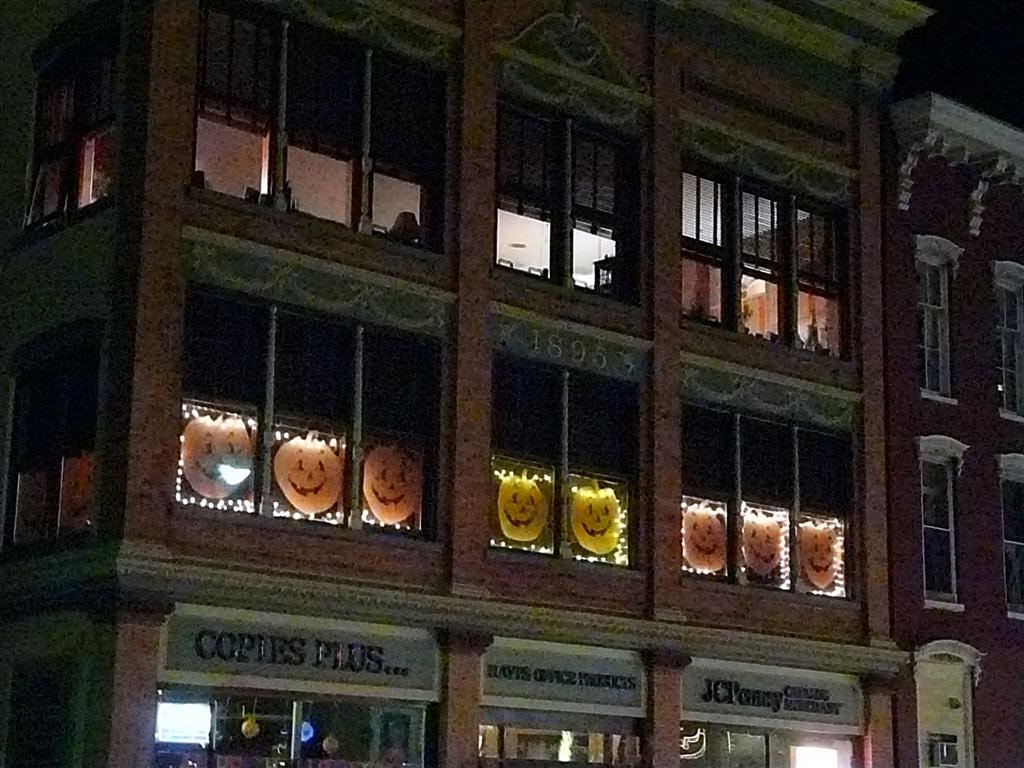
568	344
717	383
942	448
560	61
937	251
891	17
931	125
1009	274
765	159
284	276
953	651
381	23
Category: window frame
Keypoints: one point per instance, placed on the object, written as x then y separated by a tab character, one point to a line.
1011	470
360	156
562	211
942	256
694	249
783	270
79	69
947	452
1009	280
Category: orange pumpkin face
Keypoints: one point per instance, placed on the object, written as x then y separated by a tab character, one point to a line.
216	455
595	519
309	472
819	555
522	508
76	491
704	538
762	543
392	483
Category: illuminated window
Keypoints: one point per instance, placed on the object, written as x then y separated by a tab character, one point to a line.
761	267
547	745
751	525
589	519
52	465
703	246
565	203
818	314
75	146
705	745
325	431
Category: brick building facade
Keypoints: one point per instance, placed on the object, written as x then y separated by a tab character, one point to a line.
446	383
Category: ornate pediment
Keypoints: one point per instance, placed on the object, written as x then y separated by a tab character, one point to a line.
561	61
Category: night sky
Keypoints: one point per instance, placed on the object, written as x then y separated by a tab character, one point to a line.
971	51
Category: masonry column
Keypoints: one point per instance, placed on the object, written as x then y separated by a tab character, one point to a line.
661	728
867	337
473	240
141	400
663	192
879	745
133	689
460	699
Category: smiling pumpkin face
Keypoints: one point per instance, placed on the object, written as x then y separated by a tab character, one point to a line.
392	483
216	455
522	508
819	556
704	538
762	544
308	472
595	519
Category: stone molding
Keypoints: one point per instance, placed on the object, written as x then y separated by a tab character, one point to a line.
952	651
934	126
941	449
937	251
764	159
150	571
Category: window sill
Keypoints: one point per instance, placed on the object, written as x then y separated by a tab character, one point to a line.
720	584
1011	416
35	233
1015	615
943	605
563	565
927	394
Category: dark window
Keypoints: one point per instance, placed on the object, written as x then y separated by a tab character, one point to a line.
602	425
709	452
567	198
527	410
766	451
53	443
826	472
1013	544
937	513
40	702
75	140
313	372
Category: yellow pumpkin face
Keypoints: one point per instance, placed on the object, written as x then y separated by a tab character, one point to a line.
522	508
392	483
309	472
595	519
76	491
819	555
704	538
216	455
762	544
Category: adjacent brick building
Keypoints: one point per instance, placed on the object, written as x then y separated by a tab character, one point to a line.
446	383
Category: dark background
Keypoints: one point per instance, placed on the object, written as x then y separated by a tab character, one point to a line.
971	51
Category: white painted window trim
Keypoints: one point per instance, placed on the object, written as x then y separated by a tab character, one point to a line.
1011	470
935	251
1009	276
958	655
945	451
928	394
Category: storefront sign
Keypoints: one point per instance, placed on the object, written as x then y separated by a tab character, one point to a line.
536	675
748	694
242	648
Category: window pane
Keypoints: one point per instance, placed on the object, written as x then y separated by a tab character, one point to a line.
1013	558
593	258
702	291
708	452
602	425
817	323
764	546
237	61
705	536
523	506
815	246
820	555
527	166
524	243
767	456
96	166
596	525
760	307
40	702
826	472
397	209
232	160
352	733
408	115
546	744
321	185
760	225
747	750
217	462
938	574
247	727
527	410
1013	511
935	494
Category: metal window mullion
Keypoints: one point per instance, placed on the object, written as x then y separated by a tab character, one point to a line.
356	450
366	187
281	127
562	546
733	521
794	515
267	422
230	95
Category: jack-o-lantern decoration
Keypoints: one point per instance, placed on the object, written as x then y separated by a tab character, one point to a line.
819	555
76	491
522	508
308	472
595	519
216	455
392	482
762	543
250	727
704	538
